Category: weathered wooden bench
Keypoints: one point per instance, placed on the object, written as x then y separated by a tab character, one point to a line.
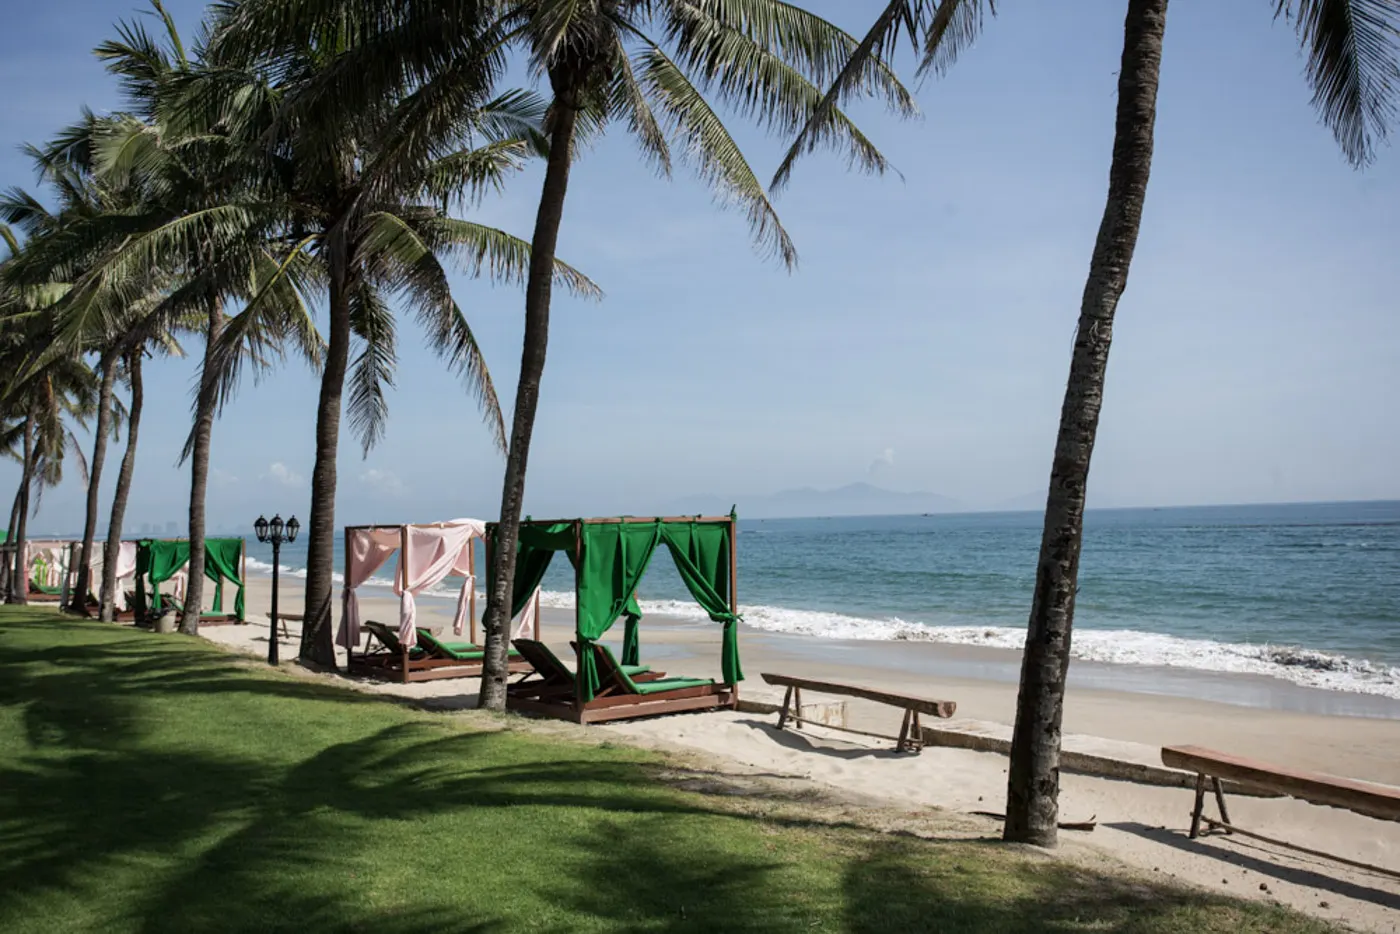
1379	801
283	618
911	736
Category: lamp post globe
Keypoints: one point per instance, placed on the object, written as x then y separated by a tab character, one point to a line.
260	527
293	527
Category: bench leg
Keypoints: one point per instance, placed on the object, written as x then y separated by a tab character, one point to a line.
904	732
1200	804
783	715
797	704
1220	801
917	737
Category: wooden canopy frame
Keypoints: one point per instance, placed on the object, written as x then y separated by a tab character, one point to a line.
611	702
400	665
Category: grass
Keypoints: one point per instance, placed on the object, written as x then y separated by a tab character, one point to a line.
154	783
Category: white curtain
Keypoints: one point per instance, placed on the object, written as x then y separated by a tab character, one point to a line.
435	552
369	549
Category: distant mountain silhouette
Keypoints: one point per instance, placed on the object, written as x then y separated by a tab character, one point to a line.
854	499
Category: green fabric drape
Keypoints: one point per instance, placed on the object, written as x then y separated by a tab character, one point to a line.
221	563
615	556
159	561
702	555
631	638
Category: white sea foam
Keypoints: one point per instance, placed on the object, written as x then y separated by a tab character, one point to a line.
1307	667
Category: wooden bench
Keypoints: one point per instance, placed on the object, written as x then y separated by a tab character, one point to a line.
284	618
911	735
1379	801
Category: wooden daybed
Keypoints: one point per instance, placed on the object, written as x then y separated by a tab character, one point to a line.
609	558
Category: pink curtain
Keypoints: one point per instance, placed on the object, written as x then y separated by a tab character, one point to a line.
526	624
435	552
369	549
55	556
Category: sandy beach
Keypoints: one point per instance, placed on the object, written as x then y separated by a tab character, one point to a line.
1144	826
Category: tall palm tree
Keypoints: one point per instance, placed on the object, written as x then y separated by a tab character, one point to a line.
1351	49
644	63
371	189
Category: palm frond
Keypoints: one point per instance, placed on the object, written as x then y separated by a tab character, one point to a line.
717	158
373	368
1353	55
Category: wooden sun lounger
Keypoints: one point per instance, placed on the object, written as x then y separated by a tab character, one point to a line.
555	680
911	736
622	696
1381	802
390	658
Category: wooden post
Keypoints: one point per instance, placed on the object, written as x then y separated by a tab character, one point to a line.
734	593
578	635
787	702
1220	801
243	580
1200	804
797	703
900	745
537	613
471	600
345	582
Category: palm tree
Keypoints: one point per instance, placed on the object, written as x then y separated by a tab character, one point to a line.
370	190
196	232
645	63
1351	48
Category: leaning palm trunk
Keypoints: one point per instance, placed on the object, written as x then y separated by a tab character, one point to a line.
19	579
1032	800
7	577
538	290
111	550
205	405
317	637
108	368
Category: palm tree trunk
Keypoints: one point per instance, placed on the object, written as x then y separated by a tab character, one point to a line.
199	474
108	368
7	567
1033	783
19	579
317	636
527	396
112	549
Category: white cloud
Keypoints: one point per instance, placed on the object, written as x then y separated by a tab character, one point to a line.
383	480
279	472
883	461
221	478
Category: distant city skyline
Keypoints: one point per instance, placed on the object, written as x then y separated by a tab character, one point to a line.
923	343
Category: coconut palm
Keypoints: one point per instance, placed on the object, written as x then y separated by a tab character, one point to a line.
370	191
644	63
1351	51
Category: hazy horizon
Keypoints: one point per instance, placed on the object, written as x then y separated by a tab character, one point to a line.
924	341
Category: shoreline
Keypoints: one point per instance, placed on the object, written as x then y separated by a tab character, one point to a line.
977	663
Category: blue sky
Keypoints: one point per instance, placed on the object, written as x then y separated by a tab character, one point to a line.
923	342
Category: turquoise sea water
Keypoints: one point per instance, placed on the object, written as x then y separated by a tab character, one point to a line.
1309	592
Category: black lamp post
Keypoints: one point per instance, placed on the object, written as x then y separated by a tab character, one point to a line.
275	533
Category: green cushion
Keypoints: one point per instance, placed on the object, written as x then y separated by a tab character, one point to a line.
460	651
670	684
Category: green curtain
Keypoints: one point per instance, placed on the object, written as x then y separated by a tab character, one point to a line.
615	556
701	552
221	562
631	639
163	559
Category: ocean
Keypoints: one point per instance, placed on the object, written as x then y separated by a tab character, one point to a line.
1309	593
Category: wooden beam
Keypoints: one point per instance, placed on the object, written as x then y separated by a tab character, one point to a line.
1379	801
934	708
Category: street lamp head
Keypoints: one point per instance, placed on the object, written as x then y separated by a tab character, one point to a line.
293	527
275	528
261	528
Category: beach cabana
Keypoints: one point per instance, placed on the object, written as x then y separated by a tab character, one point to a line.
428	554
126	573
160	561
609	558
46	563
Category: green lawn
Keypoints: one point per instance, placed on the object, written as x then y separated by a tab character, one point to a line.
154	783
